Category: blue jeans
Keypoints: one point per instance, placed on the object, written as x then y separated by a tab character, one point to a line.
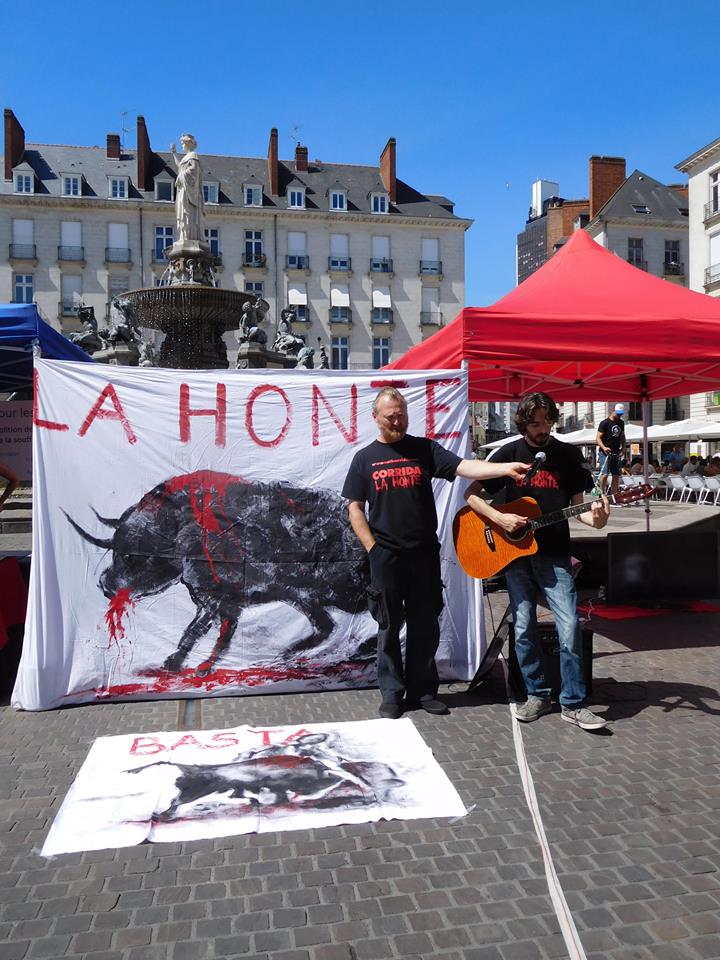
553	576
610	463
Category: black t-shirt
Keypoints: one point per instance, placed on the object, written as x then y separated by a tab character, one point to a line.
395	479
561	476
612	434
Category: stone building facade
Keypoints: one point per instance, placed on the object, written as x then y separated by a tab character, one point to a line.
371	265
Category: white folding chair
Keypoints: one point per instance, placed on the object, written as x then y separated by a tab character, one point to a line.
712	490
676	485
696	488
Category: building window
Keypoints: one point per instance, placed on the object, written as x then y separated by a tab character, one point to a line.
164	190
71	186
641	208
253	243
297	298
381	352
23	286
339	248
164	237
23	240
430	262
379	203
118	188
24	183
210	192
212	239
635	252
340	353
296	199
255	286
253	196
337	200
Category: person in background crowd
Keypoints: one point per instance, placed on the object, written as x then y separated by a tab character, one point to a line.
610	440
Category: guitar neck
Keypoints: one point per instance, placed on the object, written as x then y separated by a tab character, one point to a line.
558	515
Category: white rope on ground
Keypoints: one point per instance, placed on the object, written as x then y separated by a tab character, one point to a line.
562	910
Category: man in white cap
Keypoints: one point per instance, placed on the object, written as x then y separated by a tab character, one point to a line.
611	444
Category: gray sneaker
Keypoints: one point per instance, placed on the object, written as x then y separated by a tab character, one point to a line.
583	718
532	709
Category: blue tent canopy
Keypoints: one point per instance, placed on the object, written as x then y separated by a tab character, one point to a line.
20	328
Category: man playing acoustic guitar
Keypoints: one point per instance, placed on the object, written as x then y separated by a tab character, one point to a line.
559	480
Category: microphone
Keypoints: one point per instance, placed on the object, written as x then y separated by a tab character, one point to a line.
536	464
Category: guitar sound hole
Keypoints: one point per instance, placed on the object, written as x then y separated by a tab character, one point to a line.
518	535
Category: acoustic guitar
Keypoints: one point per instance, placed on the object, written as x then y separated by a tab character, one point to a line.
484	548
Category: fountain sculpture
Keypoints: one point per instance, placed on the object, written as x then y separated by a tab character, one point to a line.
188	306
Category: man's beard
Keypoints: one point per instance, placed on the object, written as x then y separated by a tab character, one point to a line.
392	436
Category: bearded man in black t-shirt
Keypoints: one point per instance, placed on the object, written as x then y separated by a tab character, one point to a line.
559	481
393	476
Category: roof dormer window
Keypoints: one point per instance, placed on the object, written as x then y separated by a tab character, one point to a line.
641	208
252	194
71	185
379	202
24	179
338	199
211	191
118	188
164	189
296	198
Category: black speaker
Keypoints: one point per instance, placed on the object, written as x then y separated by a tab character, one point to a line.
662	566
550	646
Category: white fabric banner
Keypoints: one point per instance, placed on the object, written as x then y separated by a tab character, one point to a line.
189	537
217	783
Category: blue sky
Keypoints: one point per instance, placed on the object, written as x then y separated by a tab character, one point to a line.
482	98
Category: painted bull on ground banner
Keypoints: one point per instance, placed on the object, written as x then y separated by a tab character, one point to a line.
233	543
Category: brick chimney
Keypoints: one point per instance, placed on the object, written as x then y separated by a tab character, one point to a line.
273	166
14	143
387	169
606	175
301	158
144	156
113	146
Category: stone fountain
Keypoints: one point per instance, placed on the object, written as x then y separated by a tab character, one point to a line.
188	306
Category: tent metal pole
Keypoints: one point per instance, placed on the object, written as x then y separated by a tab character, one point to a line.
645	406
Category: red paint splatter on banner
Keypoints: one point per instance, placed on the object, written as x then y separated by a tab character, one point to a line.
163	682
206	491
118	607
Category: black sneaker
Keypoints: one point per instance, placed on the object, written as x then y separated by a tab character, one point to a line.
390	711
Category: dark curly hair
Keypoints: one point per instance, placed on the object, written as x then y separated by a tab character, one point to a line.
529	404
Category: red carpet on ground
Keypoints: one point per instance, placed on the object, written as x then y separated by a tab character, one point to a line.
626	612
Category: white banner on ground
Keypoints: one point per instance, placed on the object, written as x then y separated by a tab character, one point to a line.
217	783
189	537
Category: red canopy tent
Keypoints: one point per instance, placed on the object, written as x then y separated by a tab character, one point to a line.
586	326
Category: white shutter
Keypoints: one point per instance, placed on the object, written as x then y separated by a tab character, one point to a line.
430	250
296	243
339	295
71	289
118	236
118	284
23	231
70	233
715	250
430	300
339	244
381	297
297	294
381	248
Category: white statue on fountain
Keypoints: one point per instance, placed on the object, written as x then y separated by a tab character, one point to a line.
189	201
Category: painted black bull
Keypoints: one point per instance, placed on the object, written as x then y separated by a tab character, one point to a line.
298	775
233	544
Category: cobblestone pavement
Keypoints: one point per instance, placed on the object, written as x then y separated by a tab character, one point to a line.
632	817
